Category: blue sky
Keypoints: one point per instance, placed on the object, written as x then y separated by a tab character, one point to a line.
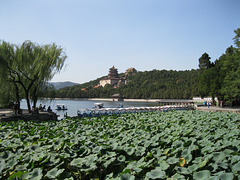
144	34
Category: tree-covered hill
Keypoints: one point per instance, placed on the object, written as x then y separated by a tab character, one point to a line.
59	85
147	84
220	79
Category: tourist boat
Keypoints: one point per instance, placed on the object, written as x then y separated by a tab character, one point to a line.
98	105
62	107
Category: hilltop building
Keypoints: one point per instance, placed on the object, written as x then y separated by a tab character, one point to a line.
113	78
130	71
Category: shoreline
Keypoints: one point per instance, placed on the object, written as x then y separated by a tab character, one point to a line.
111	99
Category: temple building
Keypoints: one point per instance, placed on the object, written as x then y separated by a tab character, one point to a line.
113	78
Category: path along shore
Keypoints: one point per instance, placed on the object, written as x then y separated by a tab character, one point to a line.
218	109
9	115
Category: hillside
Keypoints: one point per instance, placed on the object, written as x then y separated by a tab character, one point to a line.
59	85
142	85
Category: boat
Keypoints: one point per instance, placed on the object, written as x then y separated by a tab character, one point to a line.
97	111
98	105
61	107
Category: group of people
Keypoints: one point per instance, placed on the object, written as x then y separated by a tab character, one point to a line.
206	104
41	108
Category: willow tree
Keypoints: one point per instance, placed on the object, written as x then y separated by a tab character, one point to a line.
33	66
9	88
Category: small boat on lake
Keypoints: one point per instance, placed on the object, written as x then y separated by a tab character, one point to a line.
98	105
61	107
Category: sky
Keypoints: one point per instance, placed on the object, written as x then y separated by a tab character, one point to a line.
144	34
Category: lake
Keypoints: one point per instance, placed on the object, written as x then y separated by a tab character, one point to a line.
74	105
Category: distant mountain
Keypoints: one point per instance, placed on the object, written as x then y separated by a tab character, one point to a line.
59	85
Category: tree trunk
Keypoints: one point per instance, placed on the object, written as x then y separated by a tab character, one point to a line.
17	99
28	101
34	98
213	101
34	103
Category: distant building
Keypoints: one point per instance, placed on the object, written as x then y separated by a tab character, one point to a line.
112	79
117	97
130	71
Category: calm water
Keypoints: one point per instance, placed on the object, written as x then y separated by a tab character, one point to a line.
74	105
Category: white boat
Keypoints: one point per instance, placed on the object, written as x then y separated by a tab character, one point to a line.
61	107
98	105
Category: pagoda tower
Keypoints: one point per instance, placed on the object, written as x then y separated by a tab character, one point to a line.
112	78
113	73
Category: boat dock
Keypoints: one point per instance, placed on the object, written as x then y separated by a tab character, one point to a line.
110	111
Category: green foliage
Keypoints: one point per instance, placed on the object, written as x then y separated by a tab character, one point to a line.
228	67
148	84
29	67
222	78
204	62
237	37
152	145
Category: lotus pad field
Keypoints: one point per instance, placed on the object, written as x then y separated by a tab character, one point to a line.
153	145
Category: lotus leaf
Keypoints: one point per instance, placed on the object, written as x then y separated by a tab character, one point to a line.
188	158
178	176
6	155
2	166
182	162
136	143
110	154
108	162
178	144
121	158
114	145
163	165
236	167
193	167
127	176
140	151
97	149
11	163
202	163
156	174
213	178
235	159
172	160
182	170
78	162
35	174
54	173
185	152
226	176
204	174
90	159
223	165
130	150
218	156
22	167
156	152
147	144
136	166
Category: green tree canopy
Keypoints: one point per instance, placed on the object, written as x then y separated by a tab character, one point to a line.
222	78
228	66
237	37
31	65
204	62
